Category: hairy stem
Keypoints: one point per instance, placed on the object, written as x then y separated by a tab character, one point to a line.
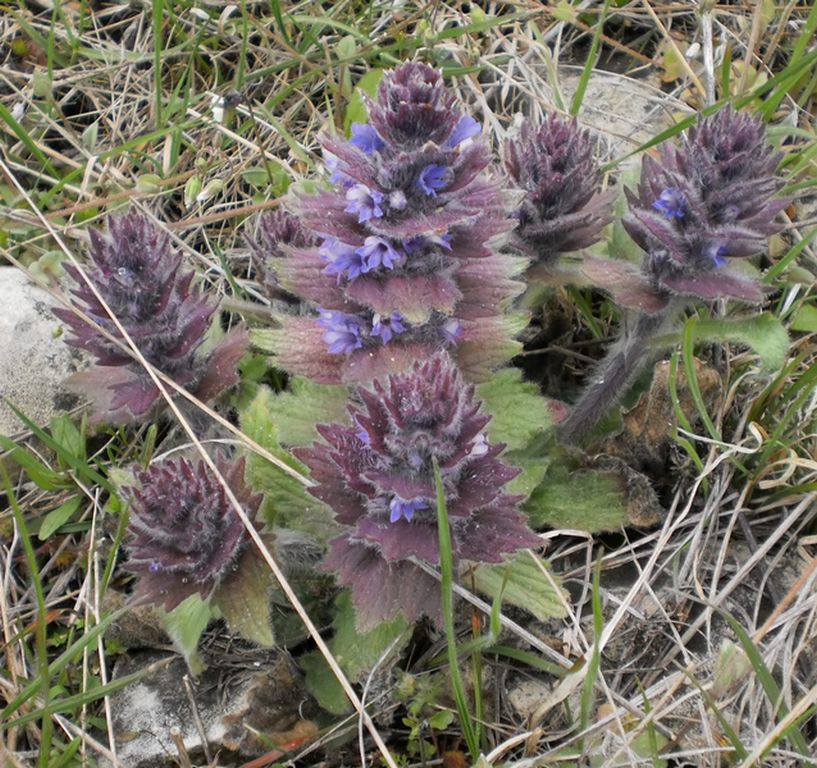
623	363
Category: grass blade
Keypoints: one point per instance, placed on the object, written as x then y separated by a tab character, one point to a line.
590	64
447	578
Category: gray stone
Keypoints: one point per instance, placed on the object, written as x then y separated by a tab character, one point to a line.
245	702
33	362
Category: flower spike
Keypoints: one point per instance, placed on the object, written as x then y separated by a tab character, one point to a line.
378	477
404	260
140	278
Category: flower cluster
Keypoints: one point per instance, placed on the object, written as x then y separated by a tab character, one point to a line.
139	277
378	476
698	208
562	210
404	262
184	535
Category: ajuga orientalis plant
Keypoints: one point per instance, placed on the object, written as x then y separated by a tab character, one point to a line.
562	210
378	477
140	278
398	258
185	538
700	210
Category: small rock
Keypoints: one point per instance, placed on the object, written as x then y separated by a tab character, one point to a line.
245	702
32	362
526	696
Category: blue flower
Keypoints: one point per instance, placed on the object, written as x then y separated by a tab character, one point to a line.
671	203
433	178
343	259
399	507
366	139
451	330
464	129
376	252
337	176
364	202
343	332
418	242
386	327
716	252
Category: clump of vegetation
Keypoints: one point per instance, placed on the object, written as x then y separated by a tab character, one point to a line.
369	458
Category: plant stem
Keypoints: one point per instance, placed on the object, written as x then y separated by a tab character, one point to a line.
622	364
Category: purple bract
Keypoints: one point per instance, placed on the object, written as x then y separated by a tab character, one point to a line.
562	210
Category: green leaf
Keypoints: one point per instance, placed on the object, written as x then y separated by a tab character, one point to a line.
471	727
518	411
79	466
66	434
271	176
305	404
58	517
525	581
357	654
149	183
649	744
244	600
441	720
533	470
185	624
766	679
764	334
39	474
287	502
323	685
585	499
805	319
356	112
564	11
731	668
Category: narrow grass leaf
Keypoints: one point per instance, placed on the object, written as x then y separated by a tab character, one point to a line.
58	666
27	141
783	264
43	672
688	351
40	474
770	687
58	517
594	664
81	467
470	734
527	658
590	63
69	704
